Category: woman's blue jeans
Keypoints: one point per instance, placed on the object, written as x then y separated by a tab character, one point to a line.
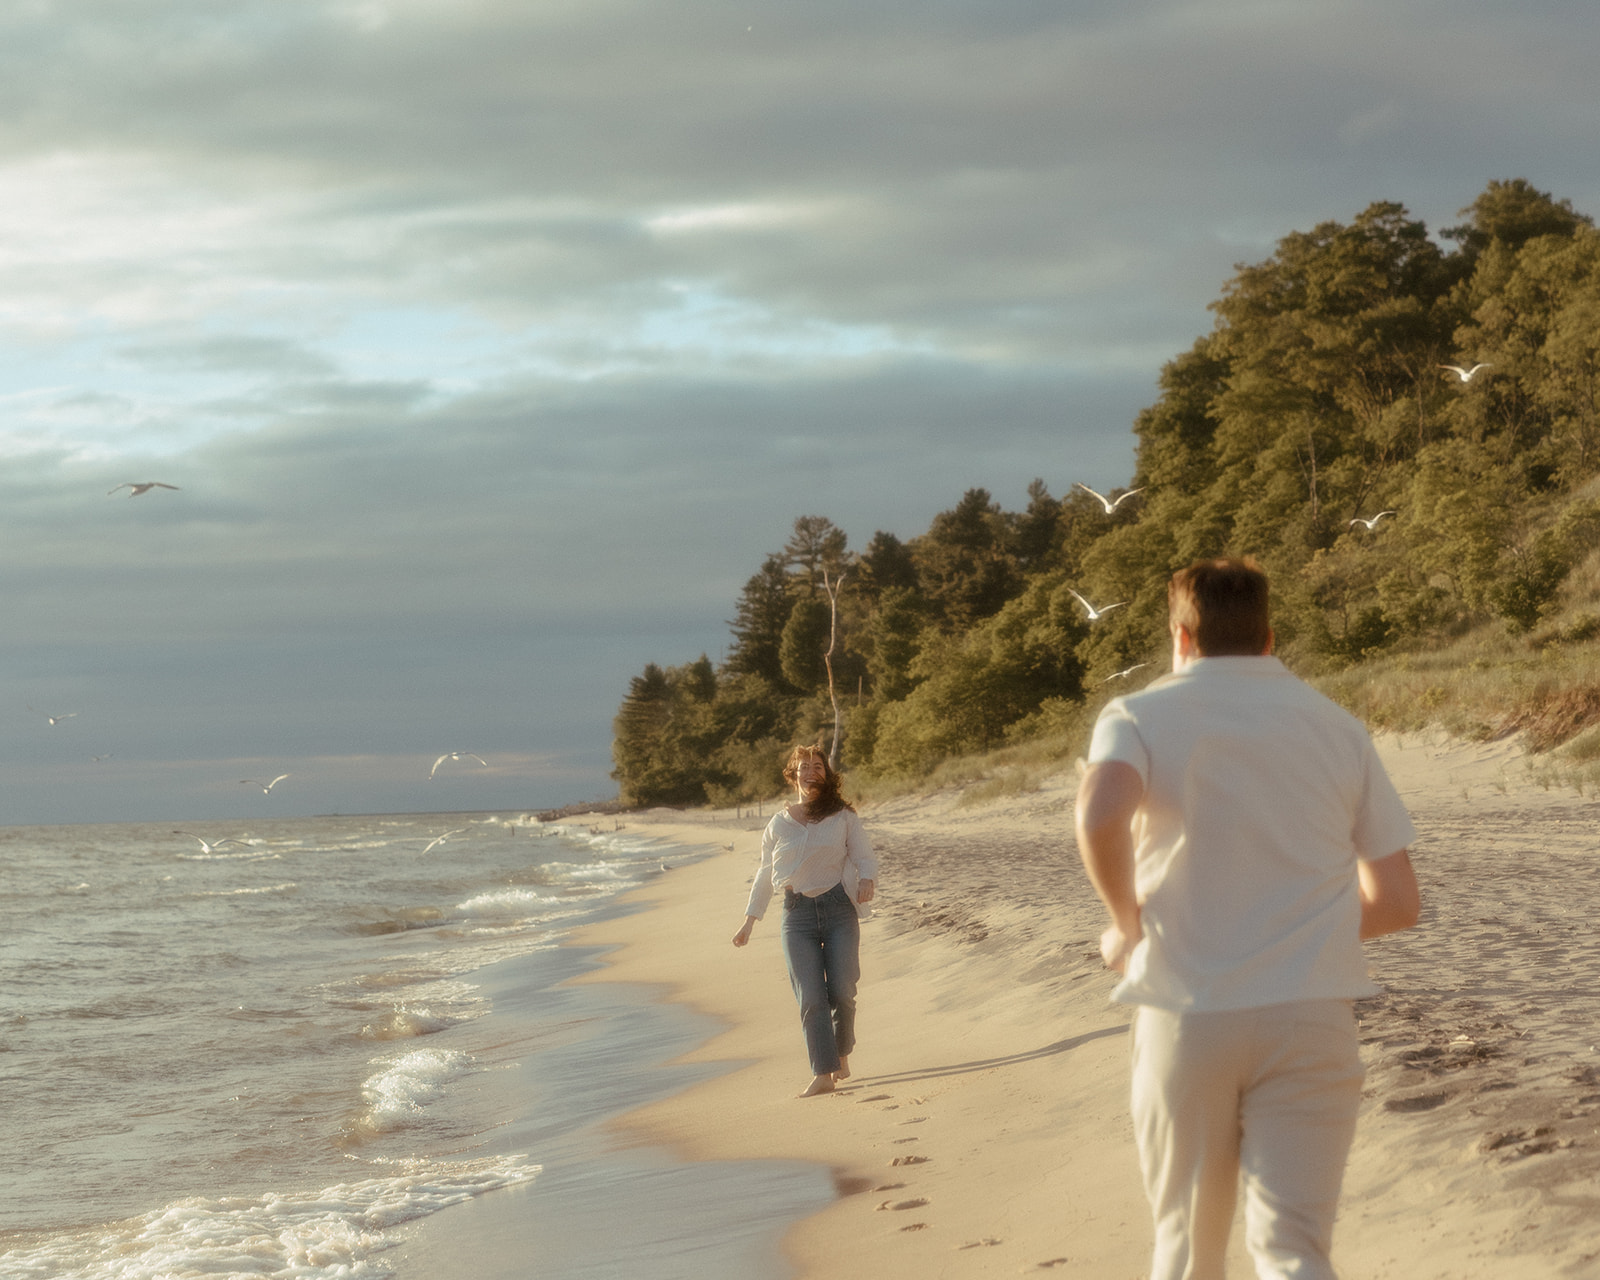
822	945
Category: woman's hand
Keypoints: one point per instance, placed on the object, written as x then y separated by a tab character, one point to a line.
743	936
864	891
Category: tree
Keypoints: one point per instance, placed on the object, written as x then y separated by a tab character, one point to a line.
1513	213
759	619
964	563
805	638
816	546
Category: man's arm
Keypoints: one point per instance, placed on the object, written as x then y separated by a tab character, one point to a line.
1107	800
1390	900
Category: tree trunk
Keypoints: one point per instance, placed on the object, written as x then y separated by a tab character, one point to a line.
832	588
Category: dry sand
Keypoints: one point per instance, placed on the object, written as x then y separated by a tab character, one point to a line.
986	1132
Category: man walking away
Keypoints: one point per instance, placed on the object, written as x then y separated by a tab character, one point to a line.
1245	839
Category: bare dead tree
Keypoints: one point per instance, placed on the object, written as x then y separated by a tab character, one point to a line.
831	585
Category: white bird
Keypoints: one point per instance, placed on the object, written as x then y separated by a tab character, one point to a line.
1126	671
208	846
439	840
1106	502
145	487
1095	614
266	787
455	755
1466	374
54	719
1371	524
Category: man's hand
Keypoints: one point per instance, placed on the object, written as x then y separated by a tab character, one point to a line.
864	891
1116	946
743	936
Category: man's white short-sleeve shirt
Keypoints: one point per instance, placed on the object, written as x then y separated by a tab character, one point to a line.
1260	794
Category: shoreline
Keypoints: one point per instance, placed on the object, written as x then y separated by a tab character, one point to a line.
554	1063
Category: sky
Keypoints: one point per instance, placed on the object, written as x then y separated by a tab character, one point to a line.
492	344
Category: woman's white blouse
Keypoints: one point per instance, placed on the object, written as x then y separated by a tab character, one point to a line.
812	857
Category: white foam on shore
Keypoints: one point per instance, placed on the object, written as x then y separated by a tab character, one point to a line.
399	1093
520	902
337	1232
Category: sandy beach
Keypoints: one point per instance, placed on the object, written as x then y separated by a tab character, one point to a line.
986	1132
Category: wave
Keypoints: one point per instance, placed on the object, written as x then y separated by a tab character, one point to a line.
401	1092
507	901
405	1024
289	886
336	1232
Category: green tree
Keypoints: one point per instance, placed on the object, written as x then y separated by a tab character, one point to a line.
805	640
760	616
965	567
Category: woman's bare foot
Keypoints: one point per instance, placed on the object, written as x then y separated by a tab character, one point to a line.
819	1084
843	1073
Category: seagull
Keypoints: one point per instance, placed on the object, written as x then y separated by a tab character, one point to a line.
439	840
1106	502
1466	374
54	719
266	787
1372	522
455	755
107	756
1126	671
149	485
208	846
1095	614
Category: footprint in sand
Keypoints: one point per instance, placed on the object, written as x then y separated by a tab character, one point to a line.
1419	1102
909	1160
890	1186
1055	1262
877	1097
901	1141
914	1120
979	1244
902	1204
915	1226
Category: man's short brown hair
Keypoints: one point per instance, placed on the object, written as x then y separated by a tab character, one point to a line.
1223	603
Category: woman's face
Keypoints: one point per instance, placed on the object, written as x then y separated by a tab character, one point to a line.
810	773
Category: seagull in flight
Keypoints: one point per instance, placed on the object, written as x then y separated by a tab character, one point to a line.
1095	614
140	488
211	846
266	787
1106	502
439	840
1466	374
455	755
1372	523
54	719
1126	671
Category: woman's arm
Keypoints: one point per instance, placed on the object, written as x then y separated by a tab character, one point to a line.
760	888
858	849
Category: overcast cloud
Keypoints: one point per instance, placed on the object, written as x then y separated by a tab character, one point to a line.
493	344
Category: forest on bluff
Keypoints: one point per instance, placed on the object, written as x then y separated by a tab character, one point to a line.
1319	399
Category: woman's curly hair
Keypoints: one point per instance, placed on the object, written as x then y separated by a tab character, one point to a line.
828	801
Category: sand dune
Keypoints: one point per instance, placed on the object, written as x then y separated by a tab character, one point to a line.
986	1130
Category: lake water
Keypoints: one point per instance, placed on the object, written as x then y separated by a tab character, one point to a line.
255	1058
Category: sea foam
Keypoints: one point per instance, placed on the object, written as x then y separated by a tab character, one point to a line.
339	1231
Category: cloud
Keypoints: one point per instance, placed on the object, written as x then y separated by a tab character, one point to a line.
493	343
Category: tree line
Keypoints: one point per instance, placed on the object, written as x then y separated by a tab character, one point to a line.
1404	433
